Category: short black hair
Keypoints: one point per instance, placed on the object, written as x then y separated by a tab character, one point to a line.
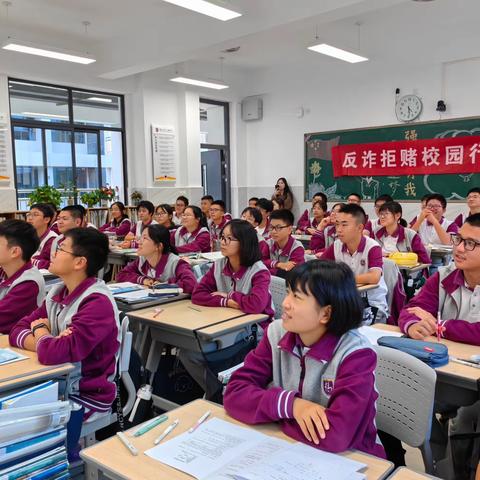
91	244
253	199
19	233
220	203
473	220
321	204
183	199
207	197
439	197
46	209
161	234
355	211
166	208
384	198
333	284
75	211
322	195
473	190
394	208
284	215
255	213
265	204
425	197
198	214
148	205
248	241
356	195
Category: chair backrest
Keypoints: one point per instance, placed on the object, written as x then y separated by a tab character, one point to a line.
406	388
396	296
278	289
125	345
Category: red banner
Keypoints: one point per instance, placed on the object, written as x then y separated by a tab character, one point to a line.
408	157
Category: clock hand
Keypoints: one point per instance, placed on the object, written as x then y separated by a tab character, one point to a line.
409	109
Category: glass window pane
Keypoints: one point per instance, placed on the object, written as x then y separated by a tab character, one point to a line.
212	125
29	162
86	158
112	161
59	160
38	102
91	108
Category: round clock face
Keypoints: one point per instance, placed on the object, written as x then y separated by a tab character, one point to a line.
408	108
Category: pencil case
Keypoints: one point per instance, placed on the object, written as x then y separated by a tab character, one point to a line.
405	259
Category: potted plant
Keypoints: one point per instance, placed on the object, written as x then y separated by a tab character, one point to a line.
106	194
46	194
136	196
90	199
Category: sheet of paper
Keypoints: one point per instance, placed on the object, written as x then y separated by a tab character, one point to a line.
119	285
212	256
213	444
141	294
373	334
9	356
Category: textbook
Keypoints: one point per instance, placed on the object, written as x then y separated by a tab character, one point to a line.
220	450
9	356
123	287
44	393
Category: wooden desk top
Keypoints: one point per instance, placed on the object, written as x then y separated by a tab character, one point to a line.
455	349
112	457
302	237
364	287
404	473
185	316
415	268
232	325
16	374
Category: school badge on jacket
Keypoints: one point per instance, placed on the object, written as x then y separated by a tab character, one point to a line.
328	386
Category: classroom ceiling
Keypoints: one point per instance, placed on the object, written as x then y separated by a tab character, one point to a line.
130	37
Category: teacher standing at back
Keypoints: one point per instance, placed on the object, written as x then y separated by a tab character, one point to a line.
283	193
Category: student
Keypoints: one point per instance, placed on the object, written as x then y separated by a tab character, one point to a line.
356	199
266	208
85	222
239	280
145	211
362	254
180	205
205	203
317	242
304	221
217	222
157	262
285	251
40	217
164	216
393	236
69	217
78	322
252	202
119	223
327	227
473	203
330	404
423	204
283	193
193	236
431	225
53	224
254	218
22	288
450	292
379	201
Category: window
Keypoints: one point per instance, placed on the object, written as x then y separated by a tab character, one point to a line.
87	150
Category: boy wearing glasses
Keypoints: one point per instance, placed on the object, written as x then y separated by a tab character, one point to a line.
22	288
40	217
78	322
453	293
217	221
285	251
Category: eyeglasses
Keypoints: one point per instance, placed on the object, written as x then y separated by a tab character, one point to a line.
158	214
434	207
60	249
227	240
30	214
278	228
468	243
384	214
473	196
213	210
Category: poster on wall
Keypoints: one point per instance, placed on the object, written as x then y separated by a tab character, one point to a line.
164	154
4	138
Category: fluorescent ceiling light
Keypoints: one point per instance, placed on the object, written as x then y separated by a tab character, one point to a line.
337	53
49	115
100	99
17	47
206	8
199	83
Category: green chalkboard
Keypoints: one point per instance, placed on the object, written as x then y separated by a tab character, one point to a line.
318	162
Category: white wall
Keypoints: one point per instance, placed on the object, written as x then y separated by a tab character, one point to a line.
341	96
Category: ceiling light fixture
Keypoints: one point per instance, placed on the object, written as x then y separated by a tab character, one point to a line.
337	53
57	55
100	99
199	83
206	8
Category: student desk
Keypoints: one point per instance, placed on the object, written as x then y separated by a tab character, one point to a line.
303	239
24	372
118	257
113	459
456	383
404	473
365	287
152	302
413	269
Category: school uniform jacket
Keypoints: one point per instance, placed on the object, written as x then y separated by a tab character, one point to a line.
403	240
292	251
265	231
121	229
186	242
429	235
20	295
170	269
304	221
459	306
338	373
249	287
215	233
137	228
41	258
91	313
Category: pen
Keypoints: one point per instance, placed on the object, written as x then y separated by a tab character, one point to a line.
157	311
127	443
439	326
194	308
166	432
464	362
199	422
146	428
